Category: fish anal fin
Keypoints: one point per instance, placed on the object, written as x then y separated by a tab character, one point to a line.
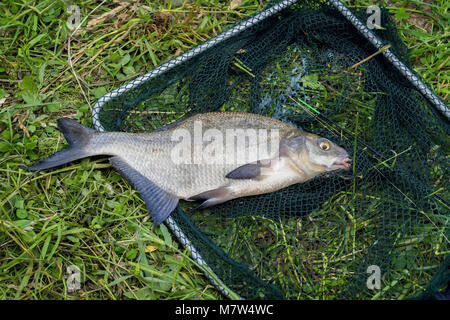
159	203
212	197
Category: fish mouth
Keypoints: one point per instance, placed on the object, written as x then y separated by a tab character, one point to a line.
343	162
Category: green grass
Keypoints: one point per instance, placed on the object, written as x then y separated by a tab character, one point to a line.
85	214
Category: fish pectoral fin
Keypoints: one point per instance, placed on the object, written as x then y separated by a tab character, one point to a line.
159	203
212	197
257	170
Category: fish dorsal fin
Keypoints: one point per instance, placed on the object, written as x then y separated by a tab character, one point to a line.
254	170
159	203
175	124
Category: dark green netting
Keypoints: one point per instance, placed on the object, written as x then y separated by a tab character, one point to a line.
317	239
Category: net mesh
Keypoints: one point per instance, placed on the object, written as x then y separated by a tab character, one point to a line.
327	237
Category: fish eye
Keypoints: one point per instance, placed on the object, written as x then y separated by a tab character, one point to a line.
324	144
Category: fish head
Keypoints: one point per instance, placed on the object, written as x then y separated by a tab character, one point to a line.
314	154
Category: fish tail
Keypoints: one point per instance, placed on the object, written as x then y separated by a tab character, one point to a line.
77	136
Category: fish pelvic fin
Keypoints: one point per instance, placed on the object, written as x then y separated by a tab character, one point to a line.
77	136
159	203
213	197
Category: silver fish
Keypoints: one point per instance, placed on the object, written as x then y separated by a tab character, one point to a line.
210	157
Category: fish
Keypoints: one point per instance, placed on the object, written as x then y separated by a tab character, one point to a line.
210	157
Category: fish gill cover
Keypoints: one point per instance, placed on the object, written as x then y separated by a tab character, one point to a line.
332	236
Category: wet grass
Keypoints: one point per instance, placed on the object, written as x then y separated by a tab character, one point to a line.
85	215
